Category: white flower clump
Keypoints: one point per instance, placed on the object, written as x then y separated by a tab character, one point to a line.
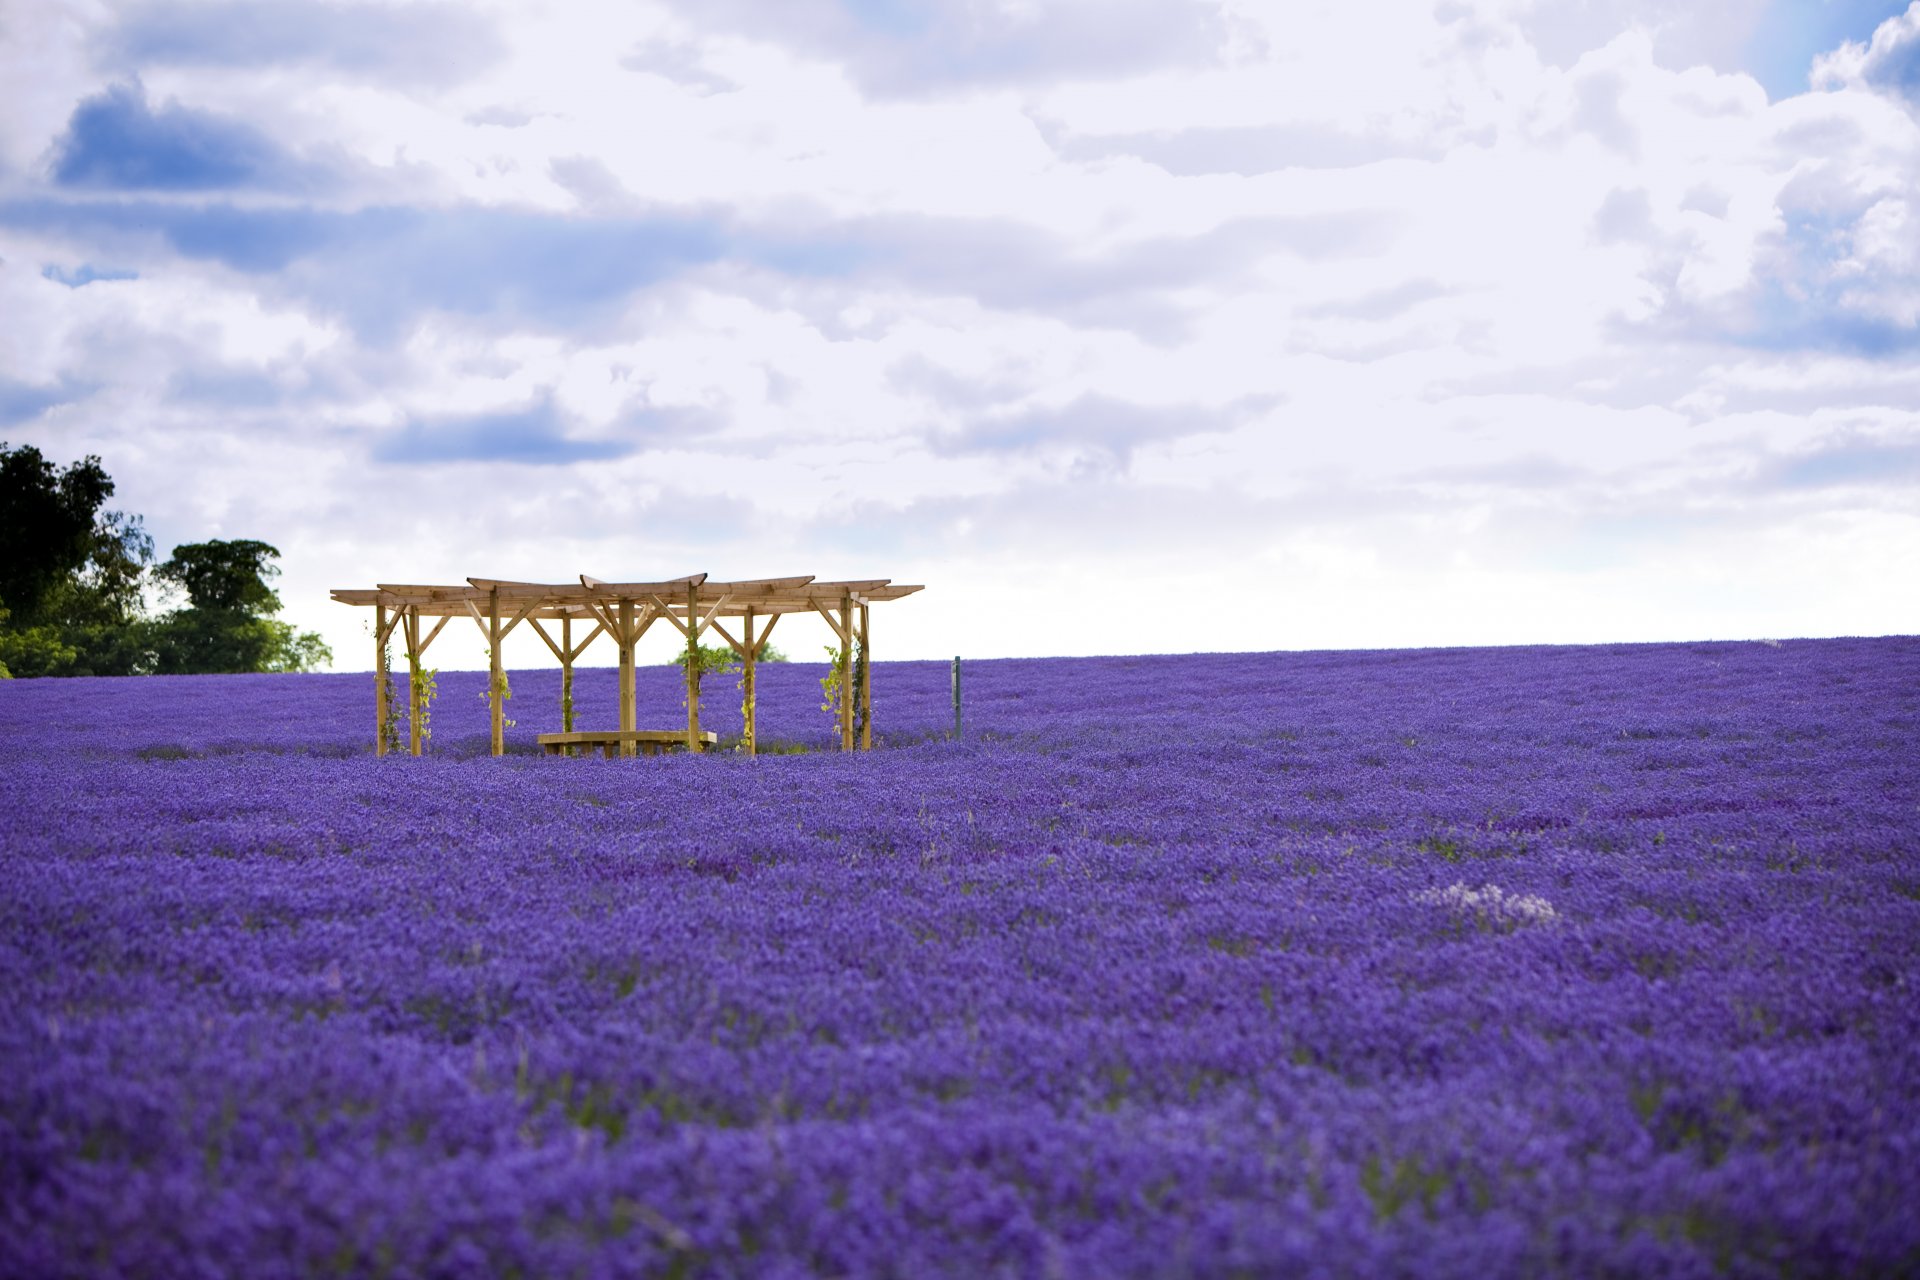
1493	905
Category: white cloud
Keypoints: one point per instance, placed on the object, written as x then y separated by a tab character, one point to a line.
1889	61
1470	325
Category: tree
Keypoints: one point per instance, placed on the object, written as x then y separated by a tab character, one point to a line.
225	575
227	625
70	574
73	580
46	526
715	658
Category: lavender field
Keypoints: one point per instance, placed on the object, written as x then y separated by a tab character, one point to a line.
1569	961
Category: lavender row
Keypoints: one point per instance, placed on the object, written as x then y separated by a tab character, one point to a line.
1560	961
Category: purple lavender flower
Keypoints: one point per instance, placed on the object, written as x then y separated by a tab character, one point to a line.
1564	961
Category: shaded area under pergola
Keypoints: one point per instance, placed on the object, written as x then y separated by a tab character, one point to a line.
623	611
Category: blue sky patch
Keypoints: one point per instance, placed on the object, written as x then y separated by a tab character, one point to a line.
115	142
1852	462
431	42
1794	32
84	274
26	401
381	267
533	434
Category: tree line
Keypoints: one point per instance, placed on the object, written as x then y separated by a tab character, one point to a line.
74	581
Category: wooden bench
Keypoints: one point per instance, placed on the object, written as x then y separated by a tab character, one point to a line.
648	741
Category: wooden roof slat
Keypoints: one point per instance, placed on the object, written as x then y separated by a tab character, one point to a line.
424	593
753	586
555	592
603	590
821	589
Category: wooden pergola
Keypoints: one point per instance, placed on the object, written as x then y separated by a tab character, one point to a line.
623	611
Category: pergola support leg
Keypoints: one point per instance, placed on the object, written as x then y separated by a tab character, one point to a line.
496	676
693	669
416	695
749	733
626	674
382	680
866	685
846	673
566	675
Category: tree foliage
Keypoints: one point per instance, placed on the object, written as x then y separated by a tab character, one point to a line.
715	657
226	625
71	575
73	582
225	575
48	530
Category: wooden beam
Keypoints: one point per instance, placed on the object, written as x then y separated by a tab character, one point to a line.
761	647
833	622
625	637
670	586
648	616
755	587
834	590
707	617
381	678
496	676
518	618
606	622
438	627
846	673
666	611
748	737
567	653
421	594
866	685
735	645
414	677
693	667
599	629
541	631
742	649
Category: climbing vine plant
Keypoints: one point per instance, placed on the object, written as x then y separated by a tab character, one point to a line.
504	688
859	676
390	702
422	679
830	684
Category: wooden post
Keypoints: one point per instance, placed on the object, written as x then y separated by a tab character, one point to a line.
415	694
956	695
382	680
566	674
746	688
693	667
626	671
496	675
846	673
866	686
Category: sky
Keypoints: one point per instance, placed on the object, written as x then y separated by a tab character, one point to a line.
1123	325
